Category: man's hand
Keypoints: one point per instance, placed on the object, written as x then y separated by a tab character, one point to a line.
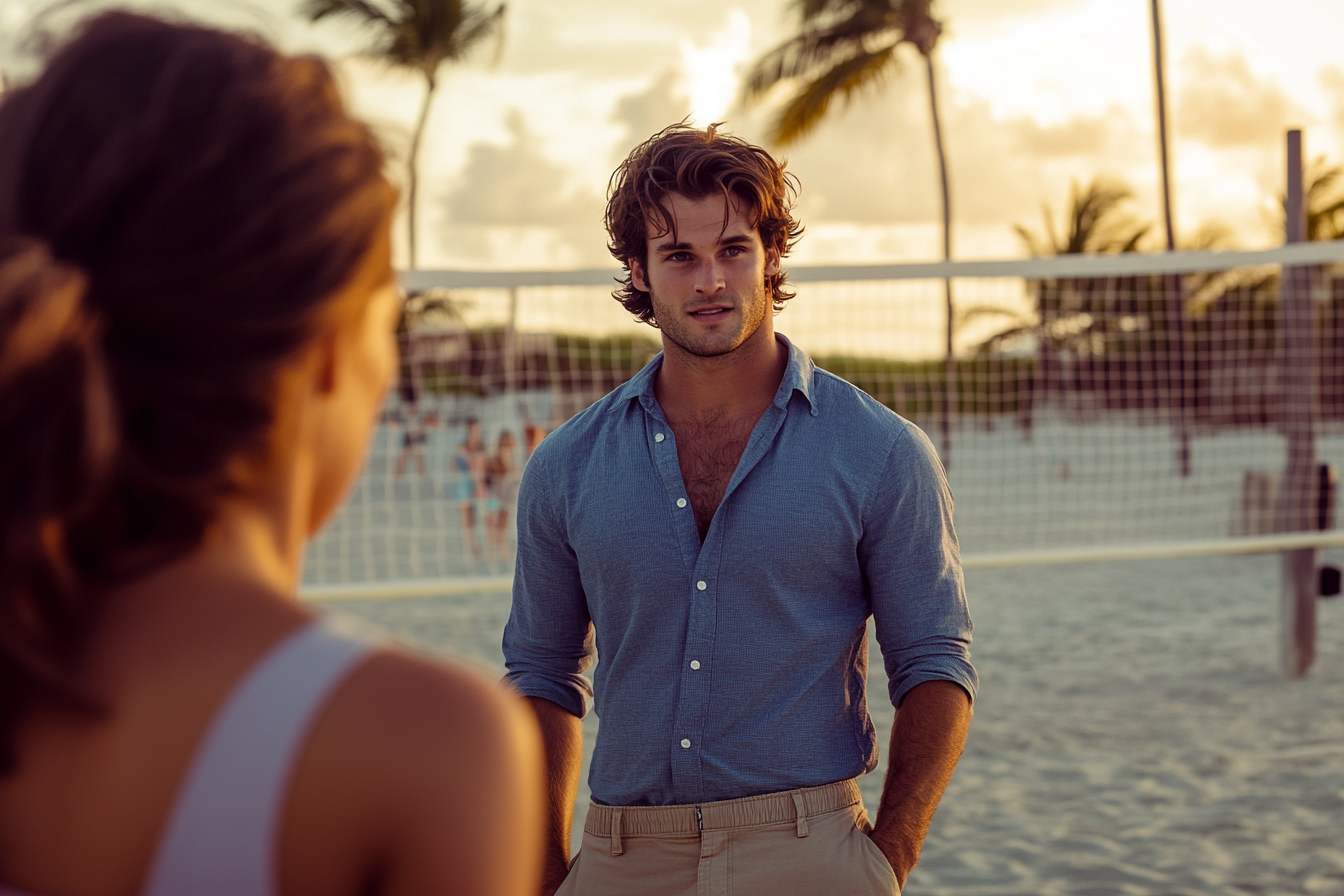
562	735
926	742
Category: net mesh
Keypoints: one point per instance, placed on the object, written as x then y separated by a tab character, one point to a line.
1090	403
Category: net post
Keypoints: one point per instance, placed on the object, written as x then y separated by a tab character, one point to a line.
511	344
1298	498
949	380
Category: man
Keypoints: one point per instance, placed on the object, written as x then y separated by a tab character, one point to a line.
724	524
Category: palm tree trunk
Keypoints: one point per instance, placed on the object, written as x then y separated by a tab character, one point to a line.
413	165
1175	297
950	372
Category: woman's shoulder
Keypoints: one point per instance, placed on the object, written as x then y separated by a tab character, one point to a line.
415	707
430	758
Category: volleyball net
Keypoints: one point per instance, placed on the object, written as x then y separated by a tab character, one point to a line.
1092	407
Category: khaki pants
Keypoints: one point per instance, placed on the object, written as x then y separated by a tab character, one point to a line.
810	842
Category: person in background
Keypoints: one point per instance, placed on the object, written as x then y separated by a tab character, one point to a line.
724	525
414	433
472	459
197	307
502	476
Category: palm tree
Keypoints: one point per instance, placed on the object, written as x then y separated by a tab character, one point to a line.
418	35
1097	322
843	47
1325	201
1094	223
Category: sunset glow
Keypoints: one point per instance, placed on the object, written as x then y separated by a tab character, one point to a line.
1036	94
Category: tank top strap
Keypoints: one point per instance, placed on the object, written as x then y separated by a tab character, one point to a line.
220	839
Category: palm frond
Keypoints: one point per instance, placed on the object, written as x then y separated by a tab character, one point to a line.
361	10
417	34
1095	221
477	25
965	315
819	12
843	79
816	49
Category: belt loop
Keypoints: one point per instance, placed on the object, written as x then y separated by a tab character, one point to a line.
802	813
616	848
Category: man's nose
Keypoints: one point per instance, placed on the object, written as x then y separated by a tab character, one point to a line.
709	277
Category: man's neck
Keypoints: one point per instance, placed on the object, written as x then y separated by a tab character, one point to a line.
740	383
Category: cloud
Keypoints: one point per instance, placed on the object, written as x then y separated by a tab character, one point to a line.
516	185
648	111
987	10
1332	79
1225	106
1079	136
710	71
516	189
872	163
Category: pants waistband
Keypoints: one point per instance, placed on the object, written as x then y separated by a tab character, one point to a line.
769	808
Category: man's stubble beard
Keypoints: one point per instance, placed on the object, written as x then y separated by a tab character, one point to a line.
757	309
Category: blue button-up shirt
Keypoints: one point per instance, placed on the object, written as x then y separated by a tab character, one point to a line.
738	666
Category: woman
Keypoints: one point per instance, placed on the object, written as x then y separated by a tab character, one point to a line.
196	330
502	480
472	461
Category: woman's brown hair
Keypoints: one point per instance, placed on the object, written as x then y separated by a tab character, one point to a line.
697	164
178	206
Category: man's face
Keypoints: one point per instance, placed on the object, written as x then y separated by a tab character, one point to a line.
707	281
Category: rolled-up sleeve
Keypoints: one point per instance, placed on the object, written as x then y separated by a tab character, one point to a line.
548	639
912	568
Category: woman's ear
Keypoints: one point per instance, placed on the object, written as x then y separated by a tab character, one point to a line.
325	362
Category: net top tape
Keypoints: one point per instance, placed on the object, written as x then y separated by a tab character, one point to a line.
1298	254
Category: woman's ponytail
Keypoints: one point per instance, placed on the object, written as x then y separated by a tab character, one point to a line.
59	440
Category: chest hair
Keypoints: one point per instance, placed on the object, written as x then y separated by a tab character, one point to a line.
709	448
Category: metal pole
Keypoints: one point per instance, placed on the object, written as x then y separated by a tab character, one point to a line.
1162	127
511	344
1297	500
949	362
1178	338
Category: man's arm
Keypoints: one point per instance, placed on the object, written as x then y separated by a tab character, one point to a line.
926	742
562	736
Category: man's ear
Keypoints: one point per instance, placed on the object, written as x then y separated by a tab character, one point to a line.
637	275
771	262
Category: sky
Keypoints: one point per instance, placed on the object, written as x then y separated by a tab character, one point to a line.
1036	95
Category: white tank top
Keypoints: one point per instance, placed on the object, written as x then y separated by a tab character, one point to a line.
220	838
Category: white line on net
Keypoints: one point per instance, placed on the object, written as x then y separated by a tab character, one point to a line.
1087	554
1027	268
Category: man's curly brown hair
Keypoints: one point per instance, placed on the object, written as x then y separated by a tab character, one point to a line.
697	164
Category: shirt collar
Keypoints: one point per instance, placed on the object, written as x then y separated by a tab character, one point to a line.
798	376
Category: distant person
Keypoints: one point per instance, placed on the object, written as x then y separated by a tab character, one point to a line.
196	333
725	523
502	477
533	433
413	431
471	491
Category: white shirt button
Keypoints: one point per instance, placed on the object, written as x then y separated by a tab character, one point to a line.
685	743
701	585
695	664
681	502
658	437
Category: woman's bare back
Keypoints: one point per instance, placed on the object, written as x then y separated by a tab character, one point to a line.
377	797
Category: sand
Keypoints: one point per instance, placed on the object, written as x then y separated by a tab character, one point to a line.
1133	734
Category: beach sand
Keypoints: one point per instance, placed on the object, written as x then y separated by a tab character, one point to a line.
1133	733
